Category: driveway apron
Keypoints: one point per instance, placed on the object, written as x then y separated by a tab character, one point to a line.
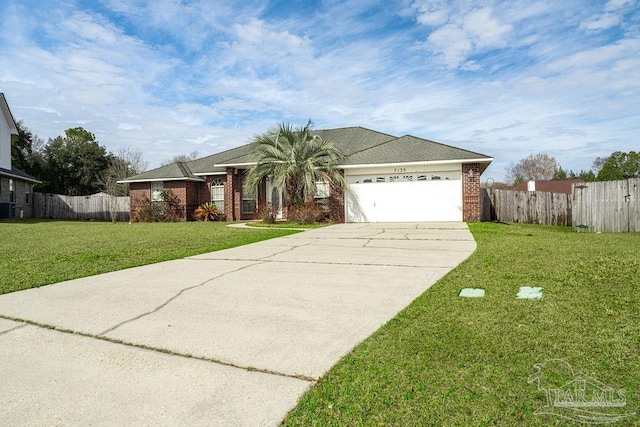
232	337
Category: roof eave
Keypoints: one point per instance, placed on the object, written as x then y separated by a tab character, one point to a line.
210	173
431	162
6	111
129	181
23	178
234	165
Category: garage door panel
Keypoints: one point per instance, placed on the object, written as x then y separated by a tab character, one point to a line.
405	201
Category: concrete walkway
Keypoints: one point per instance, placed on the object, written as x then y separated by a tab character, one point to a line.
227	338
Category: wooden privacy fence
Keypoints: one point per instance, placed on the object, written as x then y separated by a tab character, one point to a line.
97	207
608	206
528	207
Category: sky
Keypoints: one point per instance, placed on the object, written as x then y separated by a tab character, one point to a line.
167	77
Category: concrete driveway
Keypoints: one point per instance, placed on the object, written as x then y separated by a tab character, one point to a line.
227	338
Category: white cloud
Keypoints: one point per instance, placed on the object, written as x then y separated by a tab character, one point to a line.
486	30
431	12
601	22
172	77
612	15
453	43
475	31
128	126
613	5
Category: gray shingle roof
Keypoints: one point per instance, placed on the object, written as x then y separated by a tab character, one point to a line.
17	173
411	149
174	171
238	155
354	139
361	146
349	140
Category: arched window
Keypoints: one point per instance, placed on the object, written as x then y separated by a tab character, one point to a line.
217	193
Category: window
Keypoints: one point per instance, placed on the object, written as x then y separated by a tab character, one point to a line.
322	192
248	204
217	193
156	191
12	193
27	195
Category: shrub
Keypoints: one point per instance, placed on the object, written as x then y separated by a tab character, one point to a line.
166	210
268	213
208	212
307	213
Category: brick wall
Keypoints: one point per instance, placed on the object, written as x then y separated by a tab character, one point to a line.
138	191
192	200
336	204
231	207
22	206
187	193
471	192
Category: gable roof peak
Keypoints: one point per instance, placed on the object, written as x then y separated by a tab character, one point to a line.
8	116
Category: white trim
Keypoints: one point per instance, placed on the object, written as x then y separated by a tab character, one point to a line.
126	181
20	178
233	165
435	162
6	112
210	173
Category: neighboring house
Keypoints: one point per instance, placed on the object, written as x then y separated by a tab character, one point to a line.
390	179
15	185
555	186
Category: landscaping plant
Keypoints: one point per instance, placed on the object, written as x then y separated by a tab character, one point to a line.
208	212
268	213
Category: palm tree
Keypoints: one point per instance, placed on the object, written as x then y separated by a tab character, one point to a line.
296	160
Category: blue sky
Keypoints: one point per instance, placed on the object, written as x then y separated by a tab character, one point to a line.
167	77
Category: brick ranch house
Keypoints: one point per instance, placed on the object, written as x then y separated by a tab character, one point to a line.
16	186
390	179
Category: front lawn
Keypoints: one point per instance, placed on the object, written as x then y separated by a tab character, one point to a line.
288	224
447	360
36	252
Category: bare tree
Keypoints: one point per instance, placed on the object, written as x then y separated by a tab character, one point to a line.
181	158
538	167
597	164
126	163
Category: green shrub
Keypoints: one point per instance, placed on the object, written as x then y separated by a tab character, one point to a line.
168	209
268	213
307	213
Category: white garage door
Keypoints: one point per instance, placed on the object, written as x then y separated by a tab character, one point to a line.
406	198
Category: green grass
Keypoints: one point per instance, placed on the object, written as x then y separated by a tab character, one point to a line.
447	360
37	253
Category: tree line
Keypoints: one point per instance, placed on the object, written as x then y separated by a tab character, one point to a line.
543	167
77	165
74	164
